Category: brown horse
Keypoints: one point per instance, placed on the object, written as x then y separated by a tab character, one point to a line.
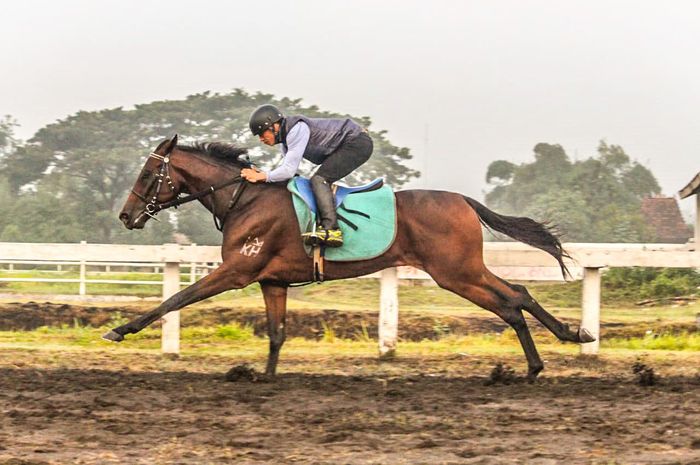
439	232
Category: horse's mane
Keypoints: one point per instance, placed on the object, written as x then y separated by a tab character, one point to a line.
227	153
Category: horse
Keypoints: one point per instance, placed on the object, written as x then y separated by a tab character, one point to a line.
437	231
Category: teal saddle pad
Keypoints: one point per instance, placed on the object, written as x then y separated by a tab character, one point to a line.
376	225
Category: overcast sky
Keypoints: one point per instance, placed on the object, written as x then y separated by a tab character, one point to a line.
461	83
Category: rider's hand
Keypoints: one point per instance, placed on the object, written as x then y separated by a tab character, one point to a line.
253	175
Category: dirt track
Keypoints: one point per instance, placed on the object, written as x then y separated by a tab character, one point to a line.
101	407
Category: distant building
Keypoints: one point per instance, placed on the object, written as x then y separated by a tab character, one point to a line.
664	219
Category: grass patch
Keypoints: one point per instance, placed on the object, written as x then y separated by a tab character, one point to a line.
223	335
674	342
149	338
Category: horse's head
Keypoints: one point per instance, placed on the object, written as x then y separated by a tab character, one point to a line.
156	184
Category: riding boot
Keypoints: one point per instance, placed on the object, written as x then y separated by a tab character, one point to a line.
328	232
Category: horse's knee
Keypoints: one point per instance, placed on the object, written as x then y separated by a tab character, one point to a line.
515	319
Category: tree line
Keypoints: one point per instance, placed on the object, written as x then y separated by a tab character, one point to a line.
597	199
68	182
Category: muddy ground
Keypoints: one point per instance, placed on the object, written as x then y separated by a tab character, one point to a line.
102	407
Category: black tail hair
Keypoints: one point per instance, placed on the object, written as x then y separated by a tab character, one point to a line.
525	230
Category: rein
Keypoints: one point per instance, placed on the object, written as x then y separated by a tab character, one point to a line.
153	207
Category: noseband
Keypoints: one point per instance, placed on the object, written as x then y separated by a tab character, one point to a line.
153	207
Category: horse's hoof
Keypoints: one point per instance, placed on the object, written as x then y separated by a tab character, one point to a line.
113	336
585	336
533	372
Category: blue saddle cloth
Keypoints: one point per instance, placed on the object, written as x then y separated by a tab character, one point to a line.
372	213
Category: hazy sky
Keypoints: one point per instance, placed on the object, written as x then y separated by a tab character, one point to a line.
461	83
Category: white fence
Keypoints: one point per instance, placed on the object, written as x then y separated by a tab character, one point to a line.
195	271
507	259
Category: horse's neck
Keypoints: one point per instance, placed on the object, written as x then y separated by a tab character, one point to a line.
200	175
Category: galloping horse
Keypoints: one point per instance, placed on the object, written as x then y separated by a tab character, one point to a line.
438	232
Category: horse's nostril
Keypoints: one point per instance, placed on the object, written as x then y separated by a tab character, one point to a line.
124	217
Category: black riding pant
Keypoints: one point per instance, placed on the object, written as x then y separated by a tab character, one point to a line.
347	158
350	155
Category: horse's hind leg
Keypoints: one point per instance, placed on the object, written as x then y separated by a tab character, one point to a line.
507	301
275	296
488	292
559	329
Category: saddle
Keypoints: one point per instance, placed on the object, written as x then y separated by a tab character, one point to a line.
366	216
303	187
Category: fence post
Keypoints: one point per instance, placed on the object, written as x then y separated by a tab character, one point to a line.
388	312
697	223
170	335
193	268
82	272
590	311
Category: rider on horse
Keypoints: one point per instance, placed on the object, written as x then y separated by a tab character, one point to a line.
338	145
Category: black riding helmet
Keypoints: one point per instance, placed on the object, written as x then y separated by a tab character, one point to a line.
263	118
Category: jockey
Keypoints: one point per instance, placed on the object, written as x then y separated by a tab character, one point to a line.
338	145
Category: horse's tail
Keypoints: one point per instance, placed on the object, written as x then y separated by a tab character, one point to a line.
525	230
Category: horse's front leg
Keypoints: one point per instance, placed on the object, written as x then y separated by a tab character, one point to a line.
275	296
220	280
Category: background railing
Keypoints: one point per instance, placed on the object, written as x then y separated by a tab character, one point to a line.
191	272
507	259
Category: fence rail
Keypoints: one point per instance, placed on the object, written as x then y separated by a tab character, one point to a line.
195	270
504	258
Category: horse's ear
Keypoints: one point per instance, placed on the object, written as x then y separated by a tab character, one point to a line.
172	143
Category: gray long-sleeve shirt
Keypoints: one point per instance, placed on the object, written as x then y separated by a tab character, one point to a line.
297	140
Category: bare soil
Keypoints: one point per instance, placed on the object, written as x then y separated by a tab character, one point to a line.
104	408
119	407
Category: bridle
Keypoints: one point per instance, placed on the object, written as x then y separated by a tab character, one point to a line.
153	207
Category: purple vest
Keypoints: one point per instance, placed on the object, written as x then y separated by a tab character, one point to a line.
326	135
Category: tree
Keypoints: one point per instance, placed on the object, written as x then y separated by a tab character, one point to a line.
594	200
89	160
8	146
7	139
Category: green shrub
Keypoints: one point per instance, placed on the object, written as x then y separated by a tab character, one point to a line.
234	332
230	332
650	283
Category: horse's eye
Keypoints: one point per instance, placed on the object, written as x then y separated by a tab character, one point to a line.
146	176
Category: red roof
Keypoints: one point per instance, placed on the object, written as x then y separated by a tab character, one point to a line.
665	221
